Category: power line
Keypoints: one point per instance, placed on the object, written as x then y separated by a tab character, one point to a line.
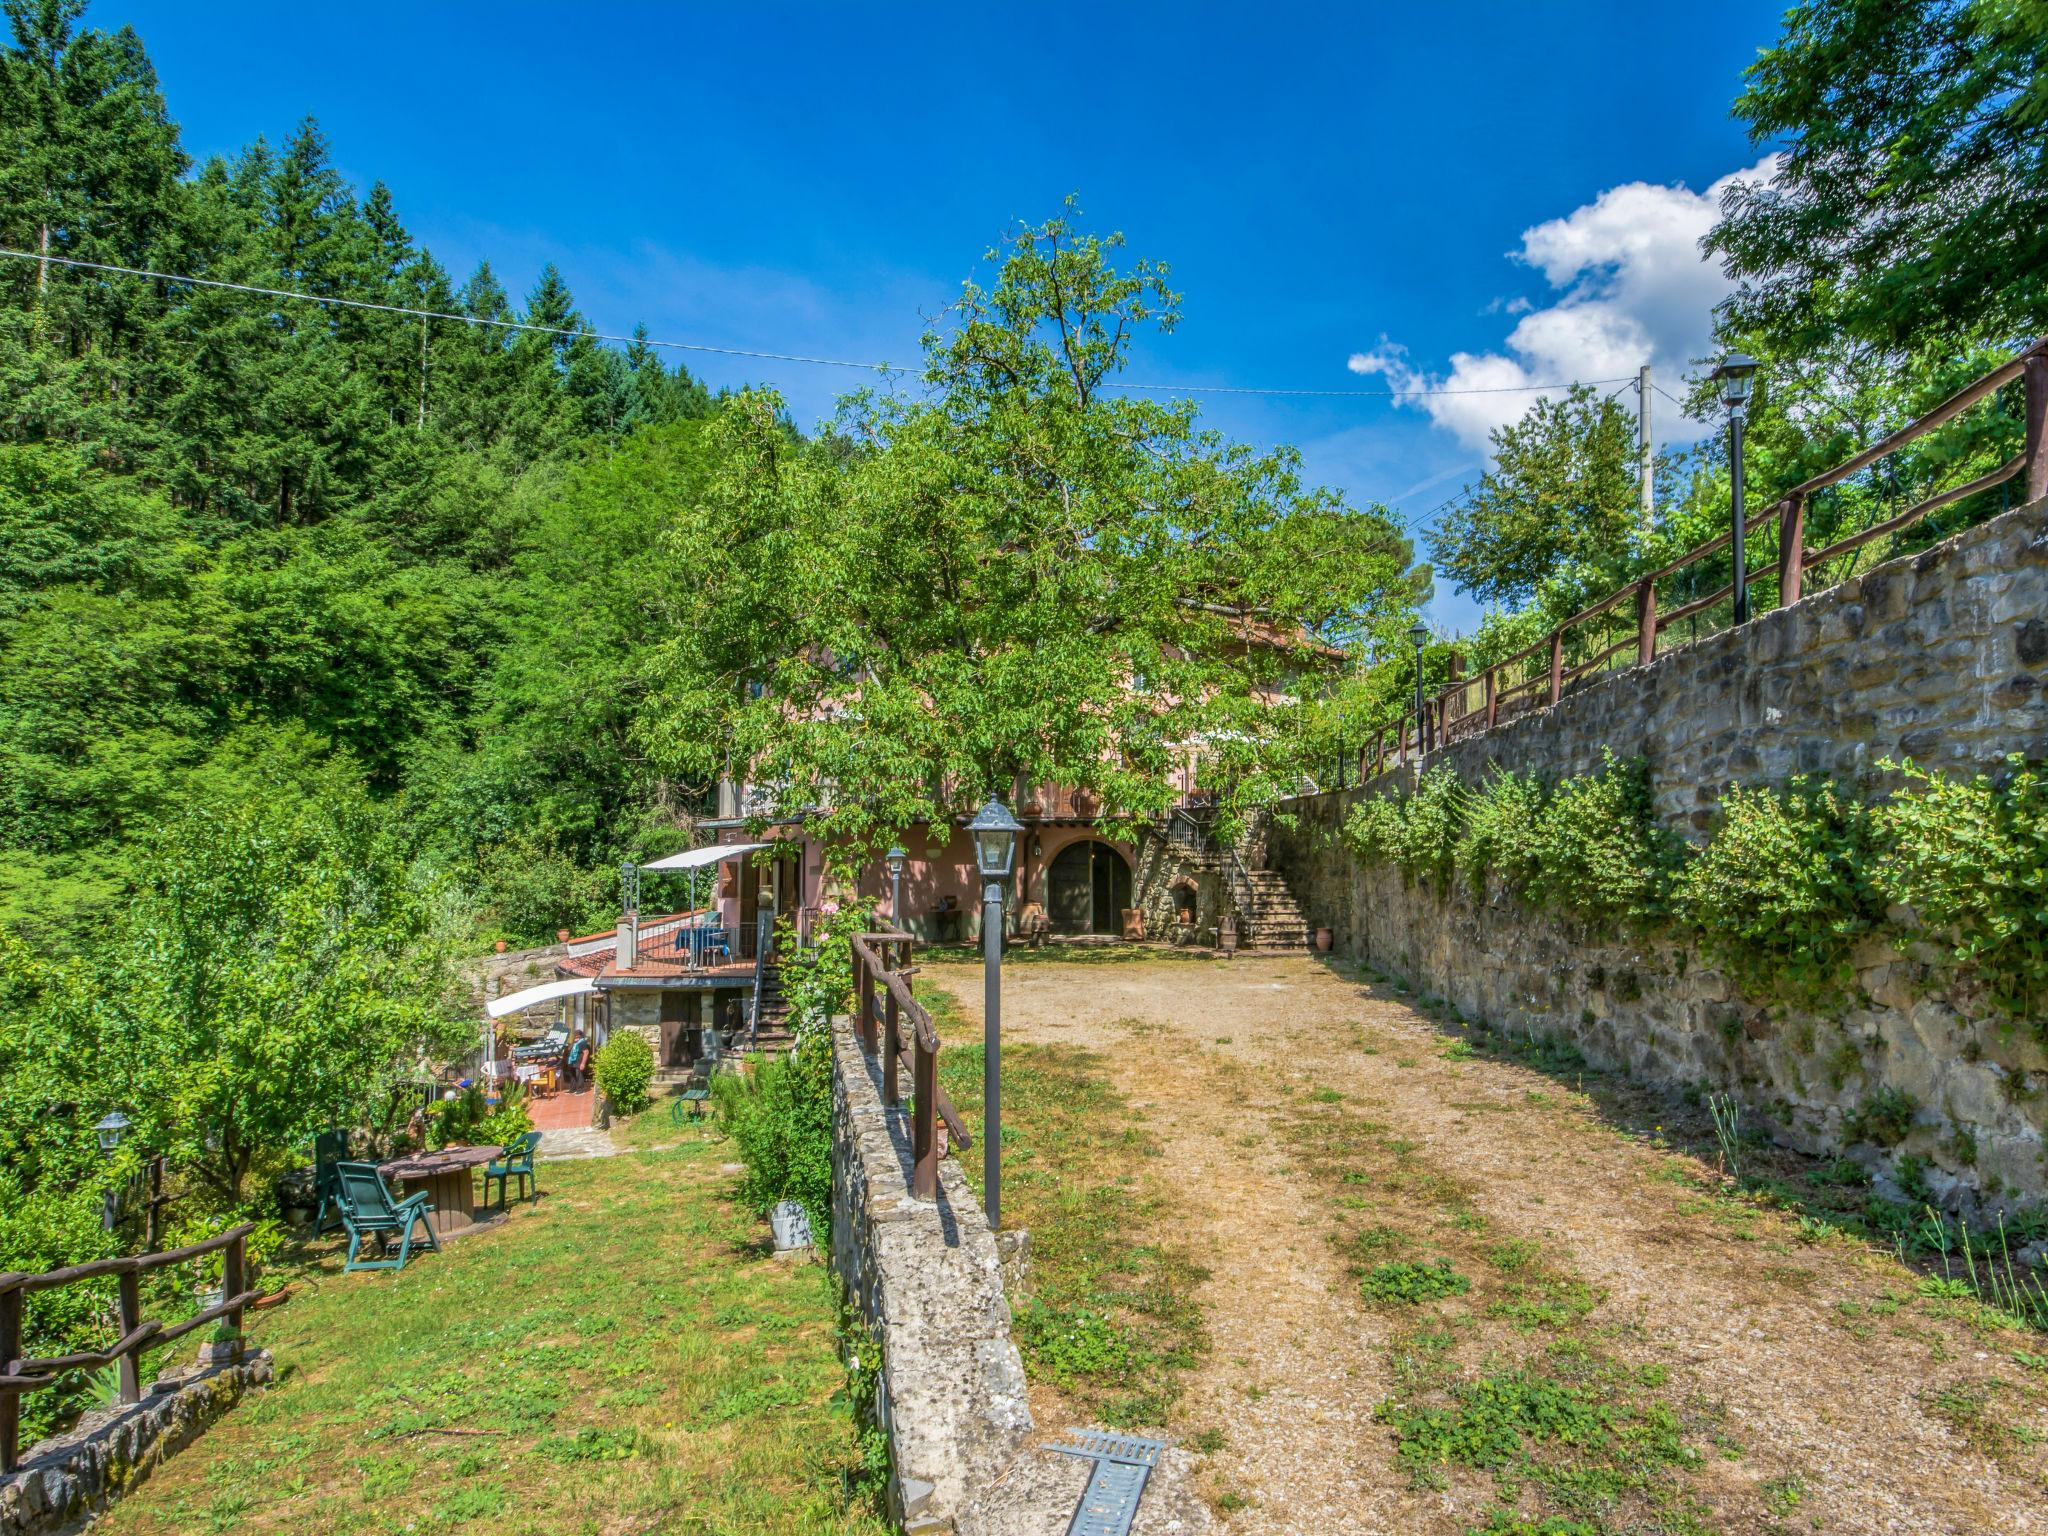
410	312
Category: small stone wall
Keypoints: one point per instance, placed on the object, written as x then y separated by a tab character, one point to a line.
927	1278
69	1479
1940	656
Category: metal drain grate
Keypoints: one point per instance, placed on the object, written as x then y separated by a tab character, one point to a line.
1122	1463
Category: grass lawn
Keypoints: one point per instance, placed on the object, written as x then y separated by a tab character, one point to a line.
1112	1320
623	1357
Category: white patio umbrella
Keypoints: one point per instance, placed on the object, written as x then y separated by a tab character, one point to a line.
695	859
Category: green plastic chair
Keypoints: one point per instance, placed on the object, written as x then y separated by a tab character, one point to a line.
367	1210
329	1148
515	1162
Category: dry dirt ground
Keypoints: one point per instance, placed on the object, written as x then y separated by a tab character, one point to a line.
1809	1376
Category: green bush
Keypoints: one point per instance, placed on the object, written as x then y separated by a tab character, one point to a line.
624	1067
1418	831
1599	853
779	1113
1971	862
1782	893
1503	822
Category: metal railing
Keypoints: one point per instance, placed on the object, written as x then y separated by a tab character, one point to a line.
137	1333
764	949
883	1005
1539	675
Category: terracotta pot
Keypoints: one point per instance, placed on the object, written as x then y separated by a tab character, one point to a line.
1086	802
274	1299
561	935
503	946
1324	940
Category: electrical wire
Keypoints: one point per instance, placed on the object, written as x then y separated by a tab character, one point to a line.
410	312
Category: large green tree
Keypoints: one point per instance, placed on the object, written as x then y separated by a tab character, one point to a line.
1018	572
1911	200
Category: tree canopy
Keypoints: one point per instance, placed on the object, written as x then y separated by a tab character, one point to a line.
1016	572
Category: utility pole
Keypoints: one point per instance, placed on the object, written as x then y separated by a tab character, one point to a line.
1648	457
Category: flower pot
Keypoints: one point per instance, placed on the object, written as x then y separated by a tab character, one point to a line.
1086	802
1324	940
792	1228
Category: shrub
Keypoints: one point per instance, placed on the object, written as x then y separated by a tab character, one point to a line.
1781	893
624	1067
779	1113
1599	853
1418	831
1971	861
1501	831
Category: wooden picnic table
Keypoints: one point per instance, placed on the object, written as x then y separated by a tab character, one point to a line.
449	1178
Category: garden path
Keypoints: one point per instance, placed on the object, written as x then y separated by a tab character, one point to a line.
1819	1386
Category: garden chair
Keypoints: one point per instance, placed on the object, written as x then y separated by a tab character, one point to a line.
515	1162
329	1149
367	1210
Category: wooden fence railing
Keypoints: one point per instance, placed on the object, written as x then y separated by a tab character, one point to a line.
883	1005
137	1333
1539	674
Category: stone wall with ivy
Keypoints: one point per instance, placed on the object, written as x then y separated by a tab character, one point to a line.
1912	1047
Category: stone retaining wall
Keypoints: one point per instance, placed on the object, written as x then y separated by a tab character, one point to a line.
1941	657
927	1278
69	1479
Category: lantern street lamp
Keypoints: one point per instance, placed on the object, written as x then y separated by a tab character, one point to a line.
994	831
1418	632
1737	374
896	857
110	1131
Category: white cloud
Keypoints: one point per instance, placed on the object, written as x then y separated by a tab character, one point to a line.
1630	288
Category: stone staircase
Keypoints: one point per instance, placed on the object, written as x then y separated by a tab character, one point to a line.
772	1030
1275	919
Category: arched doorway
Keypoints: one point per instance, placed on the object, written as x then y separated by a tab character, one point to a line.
1087	888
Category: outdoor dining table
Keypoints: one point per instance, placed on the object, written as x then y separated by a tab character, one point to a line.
449	1178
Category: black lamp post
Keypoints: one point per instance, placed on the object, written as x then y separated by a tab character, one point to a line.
994	831
1737	374
1419	633
896	857
110	1131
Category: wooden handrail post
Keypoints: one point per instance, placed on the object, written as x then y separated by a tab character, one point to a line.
867	1008
889	1094
1556	665
130	1319
1646	622
924	1140
2036	410
233	1275
1492	696
1791	549
10	1400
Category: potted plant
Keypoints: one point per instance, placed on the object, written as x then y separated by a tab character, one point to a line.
223	1345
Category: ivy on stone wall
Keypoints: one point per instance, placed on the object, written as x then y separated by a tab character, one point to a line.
1779	896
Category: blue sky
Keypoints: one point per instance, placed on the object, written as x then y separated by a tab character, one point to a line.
1351	198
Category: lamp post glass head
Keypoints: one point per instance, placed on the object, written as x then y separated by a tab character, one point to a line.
1419	633
110	1131
1736	375
995	831
896	857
